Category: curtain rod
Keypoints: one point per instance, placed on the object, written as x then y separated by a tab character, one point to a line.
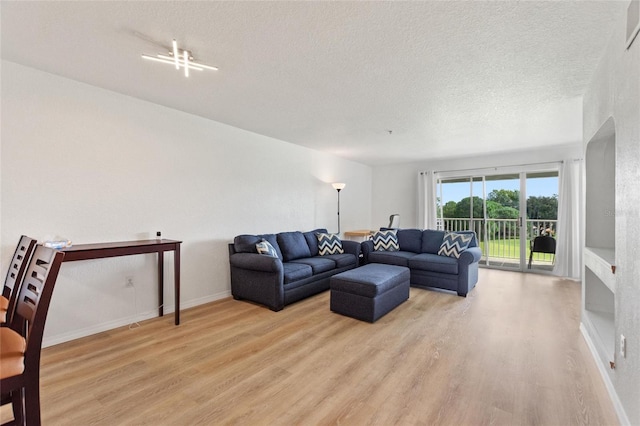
510	165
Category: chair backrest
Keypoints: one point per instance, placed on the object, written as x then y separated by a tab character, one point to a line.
33	301
16	271
394	221
544	244
18	264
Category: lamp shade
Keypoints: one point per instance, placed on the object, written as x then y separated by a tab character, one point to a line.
338	186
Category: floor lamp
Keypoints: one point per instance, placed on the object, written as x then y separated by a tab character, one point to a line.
338	187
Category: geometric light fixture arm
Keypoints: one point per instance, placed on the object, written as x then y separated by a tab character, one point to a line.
180	60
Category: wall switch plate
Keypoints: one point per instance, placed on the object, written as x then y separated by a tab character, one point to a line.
623	346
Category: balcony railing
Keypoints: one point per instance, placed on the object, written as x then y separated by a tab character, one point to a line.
501	237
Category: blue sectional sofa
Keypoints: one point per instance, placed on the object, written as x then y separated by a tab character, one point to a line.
419	252
297	272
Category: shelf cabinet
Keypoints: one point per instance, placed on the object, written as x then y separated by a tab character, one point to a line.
599	279
599	306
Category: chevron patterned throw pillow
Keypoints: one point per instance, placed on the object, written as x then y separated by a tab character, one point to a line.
454	244
329	244
385	241
265	247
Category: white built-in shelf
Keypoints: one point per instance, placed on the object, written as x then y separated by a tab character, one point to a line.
601	261
604	337
599	278
607	255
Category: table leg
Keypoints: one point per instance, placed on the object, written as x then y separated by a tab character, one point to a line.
176	282
161	283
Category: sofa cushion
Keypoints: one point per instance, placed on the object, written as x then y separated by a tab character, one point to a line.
399	258
296	271
385	241
293	245
265	247
318	264
312	240
329	244
454	244
247	243
431	241
410	240
434	263
342	260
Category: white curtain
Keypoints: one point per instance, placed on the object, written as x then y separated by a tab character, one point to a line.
427	211
569	244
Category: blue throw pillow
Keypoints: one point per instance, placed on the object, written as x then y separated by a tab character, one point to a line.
264	247
329	244
385	241
454	244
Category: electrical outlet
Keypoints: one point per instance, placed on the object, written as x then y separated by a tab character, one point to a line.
128	282
623	346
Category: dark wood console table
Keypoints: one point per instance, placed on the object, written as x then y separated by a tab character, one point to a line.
127	248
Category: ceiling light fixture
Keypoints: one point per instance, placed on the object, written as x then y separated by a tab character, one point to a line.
184	60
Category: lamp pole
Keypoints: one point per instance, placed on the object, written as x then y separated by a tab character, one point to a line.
338	187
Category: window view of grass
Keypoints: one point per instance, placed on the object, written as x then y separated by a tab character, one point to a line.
510	248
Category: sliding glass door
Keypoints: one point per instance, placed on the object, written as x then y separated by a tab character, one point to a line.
506	210
542	218
503	245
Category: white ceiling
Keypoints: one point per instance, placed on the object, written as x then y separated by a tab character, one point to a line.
448	78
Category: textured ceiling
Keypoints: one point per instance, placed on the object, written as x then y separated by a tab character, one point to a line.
448	78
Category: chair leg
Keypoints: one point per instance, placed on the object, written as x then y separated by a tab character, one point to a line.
17	402
32	401
530	259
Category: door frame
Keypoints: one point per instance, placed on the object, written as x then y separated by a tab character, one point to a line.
522	171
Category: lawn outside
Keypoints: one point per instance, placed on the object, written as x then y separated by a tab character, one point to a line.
510	249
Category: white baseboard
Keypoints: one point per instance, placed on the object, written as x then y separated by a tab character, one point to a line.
121	322
617	405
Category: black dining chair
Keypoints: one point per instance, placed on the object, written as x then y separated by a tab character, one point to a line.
543	244
22	338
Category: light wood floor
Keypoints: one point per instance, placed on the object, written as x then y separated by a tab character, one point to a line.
510	353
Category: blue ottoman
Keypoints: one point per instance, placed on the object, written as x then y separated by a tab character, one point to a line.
369	292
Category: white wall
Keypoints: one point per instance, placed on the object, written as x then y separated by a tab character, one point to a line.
395	187
92	165
615	92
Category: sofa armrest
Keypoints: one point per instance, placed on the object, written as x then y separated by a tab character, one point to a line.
470	255
352	247
468	270
366	247
257	278
255	262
